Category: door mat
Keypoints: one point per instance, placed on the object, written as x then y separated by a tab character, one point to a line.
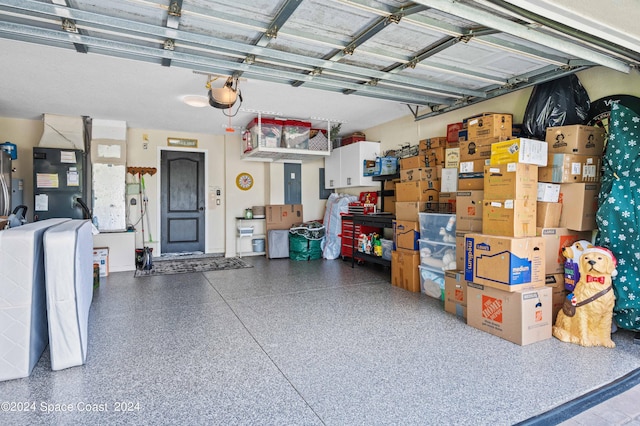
186	264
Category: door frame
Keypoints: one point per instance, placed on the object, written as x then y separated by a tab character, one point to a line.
206	192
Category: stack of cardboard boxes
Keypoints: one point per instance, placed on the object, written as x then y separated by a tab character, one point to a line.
418	191
518	203
567	196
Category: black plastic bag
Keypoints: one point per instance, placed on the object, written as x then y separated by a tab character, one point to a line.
560	102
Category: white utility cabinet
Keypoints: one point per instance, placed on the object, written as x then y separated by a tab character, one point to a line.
344	167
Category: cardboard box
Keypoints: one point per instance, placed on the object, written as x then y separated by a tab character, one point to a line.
521	317
489	125
283	216
404	270
558	293
435	156
101	257
452	158
579	205
519	150
476	150
455	293
437	142
511	218
473	166
429	174
469	210
460	249
566	168
452	132
470	181
449	180
408	210
555	239
548	214
463	135
414	162
576	139
416	191
447	202
548	192
406	234
505	263
389	205
511	181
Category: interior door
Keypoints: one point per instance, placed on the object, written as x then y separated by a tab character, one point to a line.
182	201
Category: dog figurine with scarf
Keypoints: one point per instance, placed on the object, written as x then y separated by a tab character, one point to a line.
587	313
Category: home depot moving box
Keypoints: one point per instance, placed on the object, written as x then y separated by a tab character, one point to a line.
505	263
469	210
555	239
522	317
556	283
565	168
510	181
579	205
576	139
513	218
455	293
404	270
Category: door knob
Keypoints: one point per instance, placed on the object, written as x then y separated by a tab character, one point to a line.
201	208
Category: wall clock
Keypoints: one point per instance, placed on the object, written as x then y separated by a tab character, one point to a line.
244	181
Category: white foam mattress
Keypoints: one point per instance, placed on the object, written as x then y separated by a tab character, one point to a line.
23	308
69	272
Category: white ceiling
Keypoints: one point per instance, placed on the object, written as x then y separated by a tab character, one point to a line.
423	57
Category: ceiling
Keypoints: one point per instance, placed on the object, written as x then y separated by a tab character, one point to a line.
360	62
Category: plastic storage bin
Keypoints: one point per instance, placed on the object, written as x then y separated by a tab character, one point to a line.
258	245
387	248
267	134
432	282
295	134
438	227
437	255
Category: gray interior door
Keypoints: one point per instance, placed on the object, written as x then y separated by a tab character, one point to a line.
183	201
292	183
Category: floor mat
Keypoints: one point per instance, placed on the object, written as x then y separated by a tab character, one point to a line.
186	264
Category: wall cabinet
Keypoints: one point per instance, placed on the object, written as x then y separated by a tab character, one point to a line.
344	167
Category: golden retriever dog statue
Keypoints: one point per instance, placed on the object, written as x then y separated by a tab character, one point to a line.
587	313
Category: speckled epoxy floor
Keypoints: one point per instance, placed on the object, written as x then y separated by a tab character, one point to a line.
299	343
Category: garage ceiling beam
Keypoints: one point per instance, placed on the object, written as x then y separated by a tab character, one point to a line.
566	29
488	19
379	24
228	66
70	26
227	47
